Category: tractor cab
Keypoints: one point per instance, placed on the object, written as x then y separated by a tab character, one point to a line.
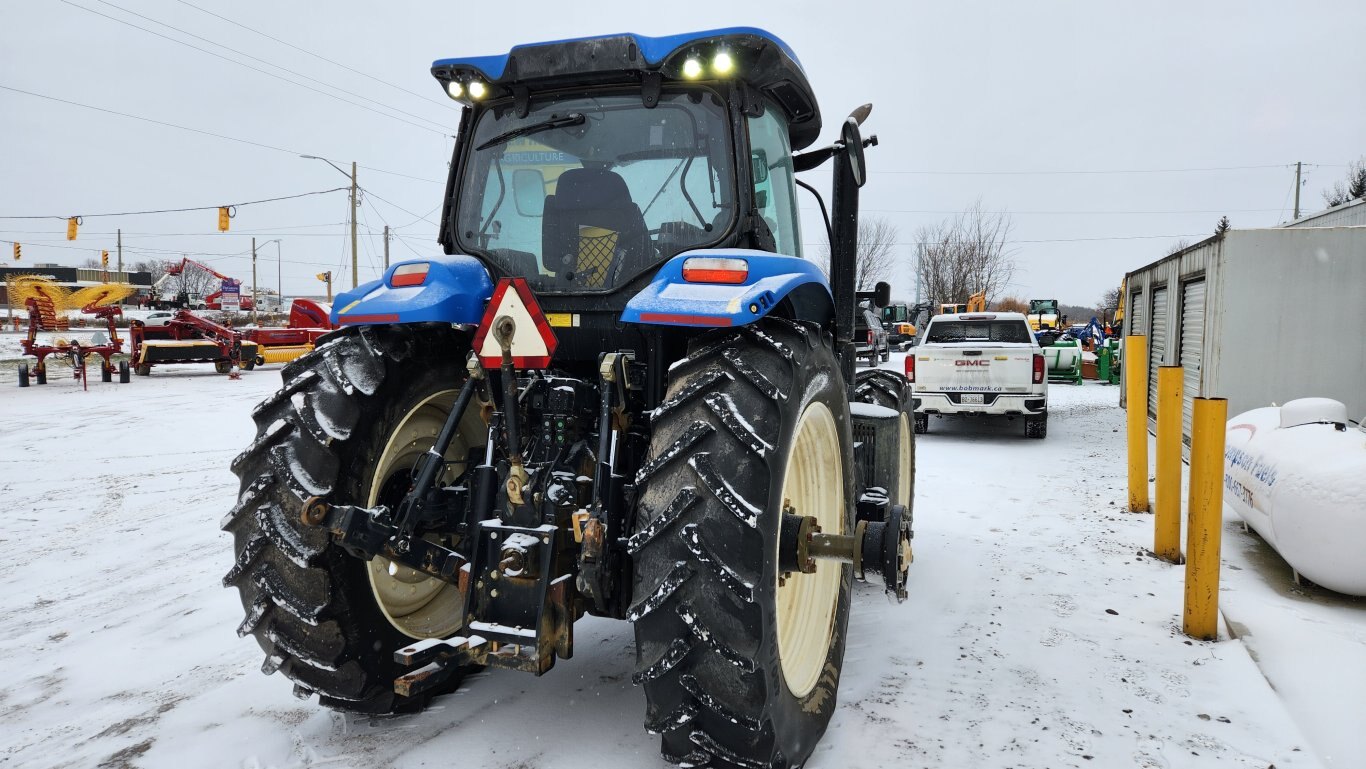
584	165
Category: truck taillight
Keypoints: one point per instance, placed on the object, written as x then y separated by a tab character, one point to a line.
910	368
1038	369
870	336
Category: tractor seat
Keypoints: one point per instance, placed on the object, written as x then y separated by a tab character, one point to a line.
591	229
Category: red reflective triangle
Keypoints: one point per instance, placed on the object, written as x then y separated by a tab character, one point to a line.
533	343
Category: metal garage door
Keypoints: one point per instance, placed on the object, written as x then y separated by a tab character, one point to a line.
1133	324
1192	344
1157	345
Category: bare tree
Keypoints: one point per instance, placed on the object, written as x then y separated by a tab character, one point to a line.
876	252
1353	188
1011	304
1178	247
965	255
1109	302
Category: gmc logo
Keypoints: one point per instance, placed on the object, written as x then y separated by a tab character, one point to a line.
982	363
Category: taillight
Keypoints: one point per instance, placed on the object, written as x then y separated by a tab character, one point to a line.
870	336
715	269
910	368
409	274
1038	369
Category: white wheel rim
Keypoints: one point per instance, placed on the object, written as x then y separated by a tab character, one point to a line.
813	485
420	606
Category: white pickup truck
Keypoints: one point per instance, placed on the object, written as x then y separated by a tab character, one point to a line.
984	363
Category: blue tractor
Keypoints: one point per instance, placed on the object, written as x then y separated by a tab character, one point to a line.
621	392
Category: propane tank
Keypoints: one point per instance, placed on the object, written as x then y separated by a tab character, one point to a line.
1297	474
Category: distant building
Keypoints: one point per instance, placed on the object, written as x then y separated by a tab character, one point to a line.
74	278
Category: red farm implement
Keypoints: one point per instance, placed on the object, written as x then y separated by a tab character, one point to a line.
47	303
188	338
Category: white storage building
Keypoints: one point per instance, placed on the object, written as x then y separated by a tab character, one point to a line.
1258	316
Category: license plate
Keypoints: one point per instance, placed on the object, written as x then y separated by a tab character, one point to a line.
972	398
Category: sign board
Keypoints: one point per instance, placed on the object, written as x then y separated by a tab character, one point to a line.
231	298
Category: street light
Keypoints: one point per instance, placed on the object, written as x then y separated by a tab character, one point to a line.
255	299
355	251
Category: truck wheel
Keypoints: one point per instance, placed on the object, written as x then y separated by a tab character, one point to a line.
922	424
23	375
889	389
348	425
741	664
1036	427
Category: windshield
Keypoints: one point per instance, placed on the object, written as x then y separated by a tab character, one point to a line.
946	332
584	193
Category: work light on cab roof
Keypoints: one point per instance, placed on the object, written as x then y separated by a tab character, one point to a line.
746	54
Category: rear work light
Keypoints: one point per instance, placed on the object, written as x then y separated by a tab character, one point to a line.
1038	369
715	269
910	368
410	274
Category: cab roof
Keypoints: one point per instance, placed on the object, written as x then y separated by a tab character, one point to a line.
757	57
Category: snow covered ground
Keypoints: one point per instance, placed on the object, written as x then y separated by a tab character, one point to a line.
1037	634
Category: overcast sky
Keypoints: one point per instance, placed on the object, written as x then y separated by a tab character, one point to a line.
1008	102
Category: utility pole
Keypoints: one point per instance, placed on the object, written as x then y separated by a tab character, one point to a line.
120	270
1297	189
386	248
253	280
355	254
279	277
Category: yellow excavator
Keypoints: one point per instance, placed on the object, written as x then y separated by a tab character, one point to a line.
976	303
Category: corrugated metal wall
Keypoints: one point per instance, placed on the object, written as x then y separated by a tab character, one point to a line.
1346	215
1192	346
1157	345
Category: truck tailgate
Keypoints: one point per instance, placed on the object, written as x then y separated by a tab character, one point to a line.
972	369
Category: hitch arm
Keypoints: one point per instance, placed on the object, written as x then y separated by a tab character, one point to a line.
364	533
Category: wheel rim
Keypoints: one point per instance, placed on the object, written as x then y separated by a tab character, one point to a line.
417	605
813	485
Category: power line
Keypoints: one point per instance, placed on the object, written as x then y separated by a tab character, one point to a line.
196	130
1068	172
1061	213
183	210
444	104
248	66
271	64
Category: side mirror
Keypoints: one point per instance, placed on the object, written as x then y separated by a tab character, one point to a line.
758	161
882	294
528	191
853	150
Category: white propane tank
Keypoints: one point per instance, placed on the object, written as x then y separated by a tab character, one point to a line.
1297	474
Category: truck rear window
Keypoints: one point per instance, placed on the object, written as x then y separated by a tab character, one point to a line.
978	331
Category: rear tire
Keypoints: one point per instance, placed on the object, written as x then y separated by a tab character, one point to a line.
889	389
1036	427
738	671
314	609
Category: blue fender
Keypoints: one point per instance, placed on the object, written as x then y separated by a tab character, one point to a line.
454	290
669	300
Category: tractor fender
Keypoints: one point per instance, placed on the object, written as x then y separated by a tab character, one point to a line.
669	300
451	289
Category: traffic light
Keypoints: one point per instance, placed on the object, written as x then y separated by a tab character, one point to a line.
223	216
323	276
17	252
71	224
104	259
